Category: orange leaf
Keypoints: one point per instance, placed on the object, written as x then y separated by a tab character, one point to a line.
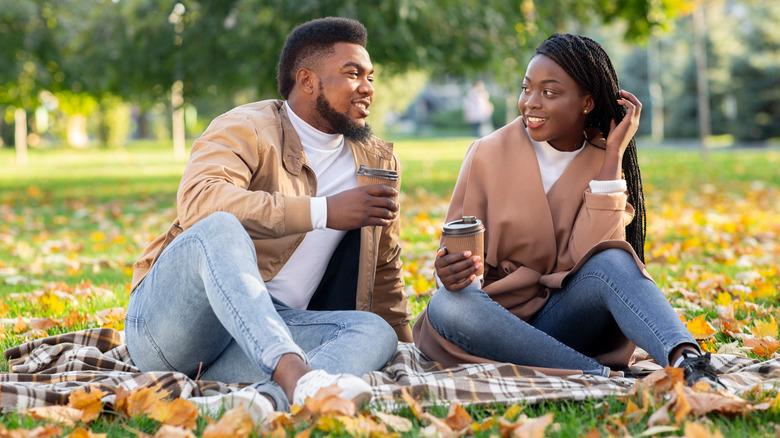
696	430
457	417
703	403
762	347
234	423
87	402
20	325
178	413
140	401
80	432
681	405
699	328
414	405
327	401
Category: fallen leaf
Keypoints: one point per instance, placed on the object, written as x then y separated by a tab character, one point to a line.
80	432
178	413
169	431
412	402
535	428
764	328
58	414
141	400
87	402
696	430
235	422
395	422
762	347
327	401
700	328
457	417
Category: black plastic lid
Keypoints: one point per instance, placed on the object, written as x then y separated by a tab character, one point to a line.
465	226
378	173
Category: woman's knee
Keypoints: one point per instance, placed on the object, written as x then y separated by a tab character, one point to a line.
447	308
614	262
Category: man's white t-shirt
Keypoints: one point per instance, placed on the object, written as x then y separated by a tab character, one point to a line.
331	159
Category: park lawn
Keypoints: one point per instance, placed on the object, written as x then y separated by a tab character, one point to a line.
73	221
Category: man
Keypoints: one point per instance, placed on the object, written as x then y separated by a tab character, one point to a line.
271	225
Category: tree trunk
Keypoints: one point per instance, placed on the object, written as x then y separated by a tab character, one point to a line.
700	37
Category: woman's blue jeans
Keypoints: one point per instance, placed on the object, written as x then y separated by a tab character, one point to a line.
608	294
204	310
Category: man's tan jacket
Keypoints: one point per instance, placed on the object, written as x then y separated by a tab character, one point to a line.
250	163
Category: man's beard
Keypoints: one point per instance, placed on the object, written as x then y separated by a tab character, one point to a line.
340	123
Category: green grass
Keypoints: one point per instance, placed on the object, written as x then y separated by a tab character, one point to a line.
95	210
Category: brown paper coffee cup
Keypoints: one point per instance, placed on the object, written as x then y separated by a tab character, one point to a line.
367	177
466	234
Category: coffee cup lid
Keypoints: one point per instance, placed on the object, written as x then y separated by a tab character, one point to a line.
463	227
378	173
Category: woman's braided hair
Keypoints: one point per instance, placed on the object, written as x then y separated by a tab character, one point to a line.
587	63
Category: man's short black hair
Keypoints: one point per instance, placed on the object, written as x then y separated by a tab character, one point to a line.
312	40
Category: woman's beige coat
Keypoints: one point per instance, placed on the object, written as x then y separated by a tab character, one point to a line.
533	240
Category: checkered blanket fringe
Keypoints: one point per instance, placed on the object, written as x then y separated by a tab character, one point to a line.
45	371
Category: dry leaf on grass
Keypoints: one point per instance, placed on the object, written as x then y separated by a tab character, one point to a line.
696	430
395	422
80	432
177	413
57	414
765	346
235	423
87	402
414	405
169	431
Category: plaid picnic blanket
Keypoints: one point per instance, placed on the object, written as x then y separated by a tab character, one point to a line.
45	371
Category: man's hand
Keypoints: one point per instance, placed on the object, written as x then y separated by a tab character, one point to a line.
456	270
362	206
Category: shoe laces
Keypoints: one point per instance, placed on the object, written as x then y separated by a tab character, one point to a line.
697	367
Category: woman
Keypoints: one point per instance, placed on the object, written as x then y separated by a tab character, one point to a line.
565	286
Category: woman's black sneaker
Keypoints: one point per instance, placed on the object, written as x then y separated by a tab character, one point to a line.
697	368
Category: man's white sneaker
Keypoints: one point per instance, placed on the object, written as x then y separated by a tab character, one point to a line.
352	387
257	404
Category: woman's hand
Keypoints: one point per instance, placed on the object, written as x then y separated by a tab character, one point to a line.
620	136
456	271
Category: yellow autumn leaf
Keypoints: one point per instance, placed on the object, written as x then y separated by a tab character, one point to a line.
700	328
178	413
764	328
87	402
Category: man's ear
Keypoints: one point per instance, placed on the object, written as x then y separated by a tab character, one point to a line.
305	80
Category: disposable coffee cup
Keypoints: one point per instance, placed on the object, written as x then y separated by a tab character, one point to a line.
466	234
367	176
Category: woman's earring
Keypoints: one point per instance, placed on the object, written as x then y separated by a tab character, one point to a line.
585	111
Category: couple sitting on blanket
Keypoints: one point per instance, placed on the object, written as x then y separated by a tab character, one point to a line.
281	271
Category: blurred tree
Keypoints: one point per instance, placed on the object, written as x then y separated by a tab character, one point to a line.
137	49
755	72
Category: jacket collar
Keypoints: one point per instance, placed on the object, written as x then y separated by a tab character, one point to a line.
293	157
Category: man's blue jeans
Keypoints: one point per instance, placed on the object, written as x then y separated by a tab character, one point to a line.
608	294
204	310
